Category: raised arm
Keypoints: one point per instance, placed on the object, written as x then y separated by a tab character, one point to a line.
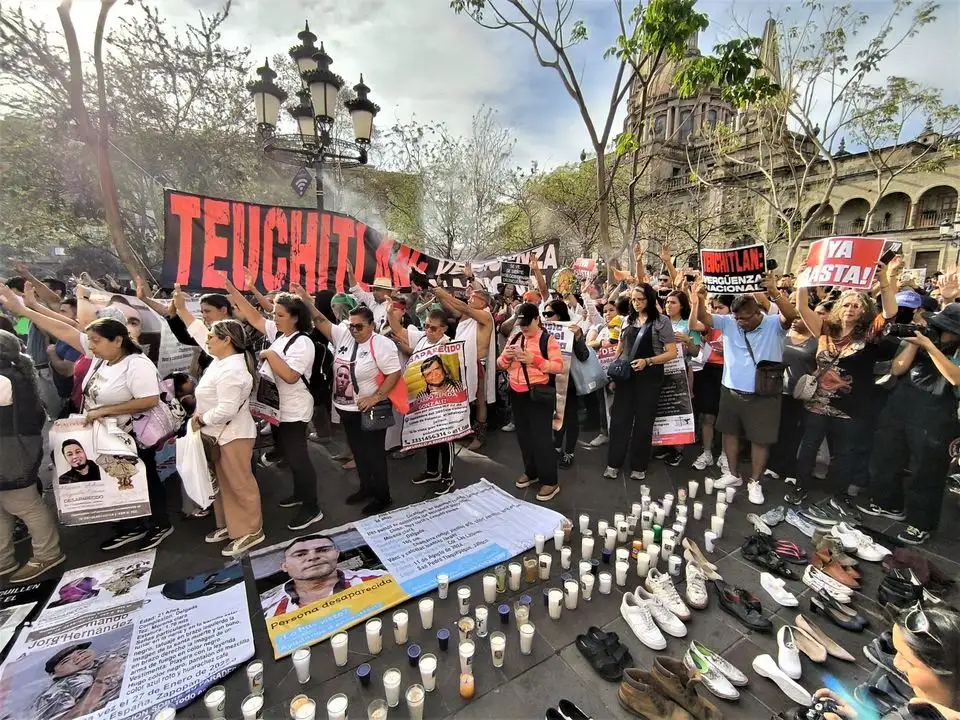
261	299
888	288
362	296
59	329
788	313
668	264
247	311
811	318
46	296
397	330
31	301
704	318
541	280
144	296
320	321
481	316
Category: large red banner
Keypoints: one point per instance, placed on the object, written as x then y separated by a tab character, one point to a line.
849	262
206	237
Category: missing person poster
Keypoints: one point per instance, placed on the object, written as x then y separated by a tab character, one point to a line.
848	262
18	604
673	424
564	335
98	476
439	410
318	584
515	273
734	270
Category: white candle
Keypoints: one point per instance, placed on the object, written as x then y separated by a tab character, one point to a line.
339	643
622	531
692	488
698	510
443	583
558	538
489	588
606	583
584	521
602	526
526	638
586	548
708	486
301	662
722	510
545	563
554	600
673	565
621	570
414	697
539	541
482	615
337	707
716	524
467	649
514	570
566	557
571	593
428	672
730	492
374	641
586	581
709	537
391	686
400	622
498	647
426	613
643	564
611	539
463	598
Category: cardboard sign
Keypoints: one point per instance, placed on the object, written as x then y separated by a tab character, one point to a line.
848	262
514	273
585	268
734	270
914	277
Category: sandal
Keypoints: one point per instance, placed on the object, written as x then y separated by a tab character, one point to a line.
600	659
790	552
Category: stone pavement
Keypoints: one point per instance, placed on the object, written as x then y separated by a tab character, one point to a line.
527	685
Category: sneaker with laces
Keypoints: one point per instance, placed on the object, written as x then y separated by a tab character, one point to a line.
854	541
696	587
727	480
638	475
425	477
638	617
509	427
818	580
793	518
774	517
795	495
446	484
755	492
712	679
724	464
665	620
236	548
661	585
914	536
155	536
217	536
845	508
874	510
600	440
35	567
674	458
771	474
719	663
611	473
122	538
566	460
305	517
703	461
759	525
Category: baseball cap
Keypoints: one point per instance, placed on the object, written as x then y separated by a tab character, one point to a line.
947	319
526	314
58	658
909	299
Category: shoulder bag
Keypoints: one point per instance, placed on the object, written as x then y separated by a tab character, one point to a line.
620	369
380	416
769	374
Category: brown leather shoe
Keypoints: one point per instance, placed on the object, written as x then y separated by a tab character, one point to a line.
639	695
678	683
829	555
835	548
835	570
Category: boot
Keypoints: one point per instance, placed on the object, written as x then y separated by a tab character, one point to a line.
678	683
898	593
638	693
479	437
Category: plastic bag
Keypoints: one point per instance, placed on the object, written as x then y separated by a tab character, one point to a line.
192	466
588	375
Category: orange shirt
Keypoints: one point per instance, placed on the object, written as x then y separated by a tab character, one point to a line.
538	369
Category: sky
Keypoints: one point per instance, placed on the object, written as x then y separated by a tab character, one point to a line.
422	60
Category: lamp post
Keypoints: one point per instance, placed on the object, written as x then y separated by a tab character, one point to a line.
950	232
312	145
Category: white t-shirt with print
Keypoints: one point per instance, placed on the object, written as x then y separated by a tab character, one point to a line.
133	377
364	367
296	402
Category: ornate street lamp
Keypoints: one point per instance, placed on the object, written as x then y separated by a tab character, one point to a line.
950	232
315	113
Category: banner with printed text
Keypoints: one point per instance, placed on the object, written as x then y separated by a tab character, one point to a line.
849	262
563	334
673	424
316	585
437	393
206	237
734	270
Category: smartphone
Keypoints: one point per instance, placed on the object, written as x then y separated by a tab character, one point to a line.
893	249
689	277
771	264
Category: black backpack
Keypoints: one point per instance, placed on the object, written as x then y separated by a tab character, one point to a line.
544	339
319	383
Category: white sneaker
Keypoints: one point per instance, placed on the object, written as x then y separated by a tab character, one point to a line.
727	480
770	474
696	588
854	540
724	464
719	663
788	655
766	666
640	620
661	585
509	427
638	475
759	525
665	620
715	681
776	589
703	461
754	492
599	441
818	580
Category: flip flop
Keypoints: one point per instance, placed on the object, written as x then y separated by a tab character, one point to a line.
601	661
790	552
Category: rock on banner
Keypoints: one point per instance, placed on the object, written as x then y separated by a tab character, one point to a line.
439	410
205	237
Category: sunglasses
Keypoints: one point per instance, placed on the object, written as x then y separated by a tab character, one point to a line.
428	326
356	327
917	622
549	314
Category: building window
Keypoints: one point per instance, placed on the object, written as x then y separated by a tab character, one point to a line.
712	118
929	259
675	172
686	126
660	126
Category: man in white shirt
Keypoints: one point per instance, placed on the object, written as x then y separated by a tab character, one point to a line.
378	299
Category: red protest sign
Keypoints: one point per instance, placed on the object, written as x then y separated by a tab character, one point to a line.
849	262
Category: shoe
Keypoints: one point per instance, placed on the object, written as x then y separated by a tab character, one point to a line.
524	482
809	645
676	682
830	544
845	507
356	498
611	473
674	458
724	464
712	679
692	553
793	518
664	618
552	714
289	502
638	616
897	593
305	517
509	427
788	654
34	568
776	588
217	536
818	581
661	585
20	531
568	711
696	587
764	665
821	637
817	516
425	477
479	437
727	480
241	545
639	475
10	568
662	452
121	539
834	570
881	652
795	495
374	507
446	485
874	510
267	461
771	474
703	461
566	460
755	492
759	525
547	492
742	605
639	695
913	536
154	536
757	550
599	441
854	541
774	517
839	615
882	696
719	663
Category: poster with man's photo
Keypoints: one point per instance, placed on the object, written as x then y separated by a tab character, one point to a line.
98	476
439	409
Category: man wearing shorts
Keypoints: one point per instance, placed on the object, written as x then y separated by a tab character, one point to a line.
749	337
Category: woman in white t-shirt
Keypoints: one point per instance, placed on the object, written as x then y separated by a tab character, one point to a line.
366	367
289	363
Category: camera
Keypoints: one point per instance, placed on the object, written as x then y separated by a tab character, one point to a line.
818	710
908	330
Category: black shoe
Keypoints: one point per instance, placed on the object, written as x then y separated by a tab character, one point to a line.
569	711
673	458
914	536
305	517
356	498
154	536
795	495
844	506
743	605
839	615
446	485
122	538
375	507
898	593
874	510
425	477
566	460
20	531
816	515
289	502
662	453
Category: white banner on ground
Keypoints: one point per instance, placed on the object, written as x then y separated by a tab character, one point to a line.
439	410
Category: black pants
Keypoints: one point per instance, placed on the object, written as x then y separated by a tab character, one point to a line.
440	459
369	453
534	423
848	461
631	418
566	437
783	455
292	437
158	498
916	429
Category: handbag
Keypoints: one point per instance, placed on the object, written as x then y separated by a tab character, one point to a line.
380	416
806	387
545	393
769	374
620	369
588	375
